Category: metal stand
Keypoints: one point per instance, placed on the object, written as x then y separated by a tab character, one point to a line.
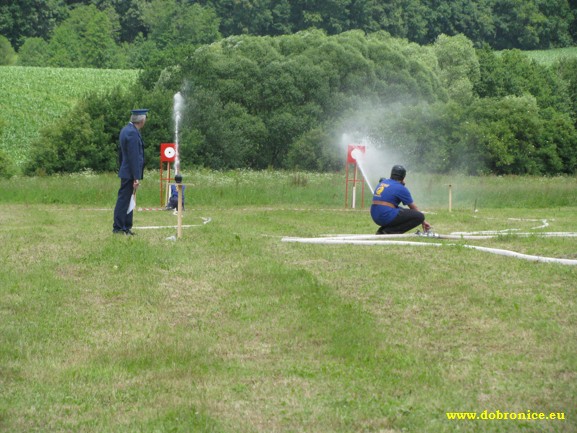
164	184
178	180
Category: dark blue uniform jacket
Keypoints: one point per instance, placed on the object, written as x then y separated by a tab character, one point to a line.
131	153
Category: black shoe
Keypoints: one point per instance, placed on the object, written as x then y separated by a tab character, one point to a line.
129	233
381	231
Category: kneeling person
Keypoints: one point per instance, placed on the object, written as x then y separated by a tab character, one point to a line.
385	209
173	200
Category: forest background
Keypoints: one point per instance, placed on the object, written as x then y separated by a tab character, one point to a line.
446	85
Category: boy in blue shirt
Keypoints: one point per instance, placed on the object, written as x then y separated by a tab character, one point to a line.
385	209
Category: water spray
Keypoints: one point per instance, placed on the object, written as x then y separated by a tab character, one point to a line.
354	158
359	157
177	114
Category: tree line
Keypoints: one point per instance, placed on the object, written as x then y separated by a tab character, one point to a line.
285	101
141	33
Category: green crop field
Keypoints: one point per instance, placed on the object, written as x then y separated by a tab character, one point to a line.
231	329
31	98
549	57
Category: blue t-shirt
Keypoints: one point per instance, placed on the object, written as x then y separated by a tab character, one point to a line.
390	191
174	195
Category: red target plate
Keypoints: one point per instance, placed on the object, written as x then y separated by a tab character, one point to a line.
167	152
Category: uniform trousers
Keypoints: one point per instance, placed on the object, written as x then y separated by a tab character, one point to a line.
123	220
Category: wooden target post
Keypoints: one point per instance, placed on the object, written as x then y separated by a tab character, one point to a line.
167	156
351	165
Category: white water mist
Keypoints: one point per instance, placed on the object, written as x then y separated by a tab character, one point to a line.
177	114
359	157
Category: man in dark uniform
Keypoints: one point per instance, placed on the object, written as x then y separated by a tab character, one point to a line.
131	158
385	209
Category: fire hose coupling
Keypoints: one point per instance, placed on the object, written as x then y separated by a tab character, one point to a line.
427	233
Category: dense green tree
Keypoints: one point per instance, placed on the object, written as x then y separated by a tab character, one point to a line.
523	24
284	101
256	17
573	21
502	24
558	143
426	135
7	167
471	18
459	66
290	85
68	146
556	31
126	15
513	73
492	135
519	138
315	150
531	24
7	53
30	18
172	23
131	19
87	137
566	69
511	128
85	39
329	15
175	30
521	124
34	52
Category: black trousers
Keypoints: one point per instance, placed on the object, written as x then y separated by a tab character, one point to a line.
122	220
406	220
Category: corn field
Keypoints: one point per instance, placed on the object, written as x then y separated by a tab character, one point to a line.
548	57
32	98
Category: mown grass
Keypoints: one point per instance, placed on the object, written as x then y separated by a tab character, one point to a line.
231	330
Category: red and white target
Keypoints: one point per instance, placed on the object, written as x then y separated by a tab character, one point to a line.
167	152
354	151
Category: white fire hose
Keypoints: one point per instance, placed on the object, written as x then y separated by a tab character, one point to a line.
385	240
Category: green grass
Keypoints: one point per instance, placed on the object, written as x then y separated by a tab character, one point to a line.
32	98
231	330
244	187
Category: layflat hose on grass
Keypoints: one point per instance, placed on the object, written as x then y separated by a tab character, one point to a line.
382	240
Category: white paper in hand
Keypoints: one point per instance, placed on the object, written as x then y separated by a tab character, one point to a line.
132	204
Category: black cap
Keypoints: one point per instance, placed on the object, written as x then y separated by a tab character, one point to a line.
398	172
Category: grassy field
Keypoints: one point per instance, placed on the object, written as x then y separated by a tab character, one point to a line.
229	329
32	98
